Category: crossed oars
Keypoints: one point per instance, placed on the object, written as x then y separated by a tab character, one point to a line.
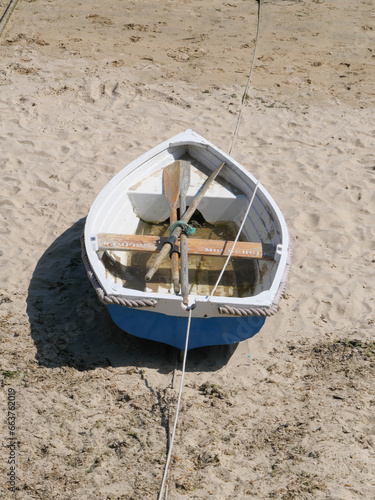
172	187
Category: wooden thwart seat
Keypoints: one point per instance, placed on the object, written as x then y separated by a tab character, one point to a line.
220	248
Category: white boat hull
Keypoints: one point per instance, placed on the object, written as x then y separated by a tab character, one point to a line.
135	194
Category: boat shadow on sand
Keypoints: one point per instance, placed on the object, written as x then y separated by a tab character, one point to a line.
70	326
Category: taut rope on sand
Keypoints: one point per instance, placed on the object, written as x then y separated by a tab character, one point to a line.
244	97
245	94
177	407
5	17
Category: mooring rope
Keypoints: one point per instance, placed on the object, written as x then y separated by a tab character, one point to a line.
235	241
245	94
7	13
244	97
177	408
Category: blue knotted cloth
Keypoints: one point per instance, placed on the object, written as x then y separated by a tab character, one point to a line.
188	230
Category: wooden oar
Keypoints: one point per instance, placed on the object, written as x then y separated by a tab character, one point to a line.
171	185
185	218
184	186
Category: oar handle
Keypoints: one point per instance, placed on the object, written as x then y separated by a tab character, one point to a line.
185	218
184	269
167	247
185	181
174	259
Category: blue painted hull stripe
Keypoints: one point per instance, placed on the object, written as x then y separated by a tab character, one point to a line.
171	330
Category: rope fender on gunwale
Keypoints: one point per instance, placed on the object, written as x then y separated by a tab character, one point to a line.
262	311
223	309
103	297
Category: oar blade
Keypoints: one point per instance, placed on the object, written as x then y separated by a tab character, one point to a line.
185	218
171	184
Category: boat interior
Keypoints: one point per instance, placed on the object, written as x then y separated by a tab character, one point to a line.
144	211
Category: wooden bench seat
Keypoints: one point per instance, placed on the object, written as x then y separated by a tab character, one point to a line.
219	248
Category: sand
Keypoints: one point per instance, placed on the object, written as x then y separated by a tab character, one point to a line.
84	89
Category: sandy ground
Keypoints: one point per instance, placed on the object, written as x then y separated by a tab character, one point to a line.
84	89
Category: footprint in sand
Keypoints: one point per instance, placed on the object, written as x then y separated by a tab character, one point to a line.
97	89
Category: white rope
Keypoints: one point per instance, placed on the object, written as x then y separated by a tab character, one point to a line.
235	241
7	13
177	408
244	96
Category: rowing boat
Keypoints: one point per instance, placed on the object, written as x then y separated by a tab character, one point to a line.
128	230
